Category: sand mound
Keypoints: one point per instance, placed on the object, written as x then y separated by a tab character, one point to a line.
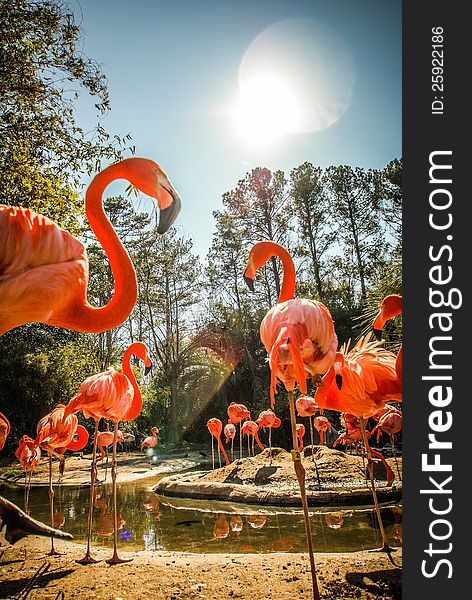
334	477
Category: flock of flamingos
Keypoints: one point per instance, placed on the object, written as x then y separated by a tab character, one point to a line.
44	277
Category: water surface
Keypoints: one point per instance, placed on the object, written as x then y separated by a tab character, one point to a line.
149	522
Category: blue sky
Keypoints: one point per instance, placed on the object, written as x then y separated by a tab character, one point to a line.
173	68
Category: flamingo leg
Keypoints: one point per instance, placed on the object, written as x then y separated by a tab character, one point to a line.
27	491
232	451
248	446
115	559
392	440
370	467
311	436
88	559
219	455
300	473
51	507
212	453
240	440
270	445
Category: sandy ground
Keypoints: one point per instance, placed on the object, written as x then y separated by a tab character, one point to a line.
173	576
26	571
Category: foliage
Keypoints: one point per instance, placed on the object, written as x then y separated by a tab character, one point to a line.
43	150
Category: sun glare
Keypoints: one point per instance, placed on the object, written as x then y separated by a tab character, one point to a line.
297	76
268	108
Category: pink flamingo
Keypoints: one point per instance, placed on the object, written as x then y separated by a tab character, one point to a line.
151	441
391	307
215	427
238	413
29	455
268	420
322	425
104	441
390	423
45	269
251	428
4	430
360	382
54	433
300	340
307	407
114	396
300	434
230	433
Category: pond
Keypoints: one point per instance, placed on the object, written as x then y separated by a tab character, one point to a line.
149	522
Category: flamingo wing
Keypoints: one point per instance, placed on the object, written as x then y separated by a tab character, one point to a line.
107	395
42	268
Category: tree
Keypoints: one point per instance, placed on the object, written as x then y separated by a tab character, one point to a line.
43	70
390	179
354	202
259	204
313	218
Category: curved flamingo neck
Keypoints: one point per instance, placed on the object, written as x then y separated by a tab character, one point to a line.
137	404
97	319
265	251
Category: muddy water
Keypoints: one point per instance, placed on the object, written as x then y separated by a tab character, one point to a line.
149	522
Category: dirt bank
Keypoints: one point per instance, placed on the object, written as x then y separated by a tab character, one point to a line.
175	576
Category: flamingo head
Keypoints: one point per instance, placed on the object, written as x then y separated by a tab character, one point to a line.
141	351
391	307
149	178
258	256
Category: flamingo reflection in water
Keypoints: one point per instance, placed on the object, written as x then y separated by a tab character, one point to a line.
221	527
256	521
236	524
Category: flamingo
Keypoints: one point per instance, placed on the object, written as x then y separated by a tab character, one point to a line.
322	425
390	423
300	433
4	430
104	440
215	427
237	413
44	270
390	307
360	382
352	435
251	428
114	396
307	407
54	433
268	420
29	455
230	433
150	441
299	337
384	410
44	276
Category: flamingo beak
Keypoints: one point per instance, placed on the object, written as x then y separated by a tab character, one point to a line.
249	281
147	369
378	334
339	381
168	215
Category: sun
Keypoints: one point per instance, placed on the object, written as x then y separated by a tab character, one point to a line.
268	109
